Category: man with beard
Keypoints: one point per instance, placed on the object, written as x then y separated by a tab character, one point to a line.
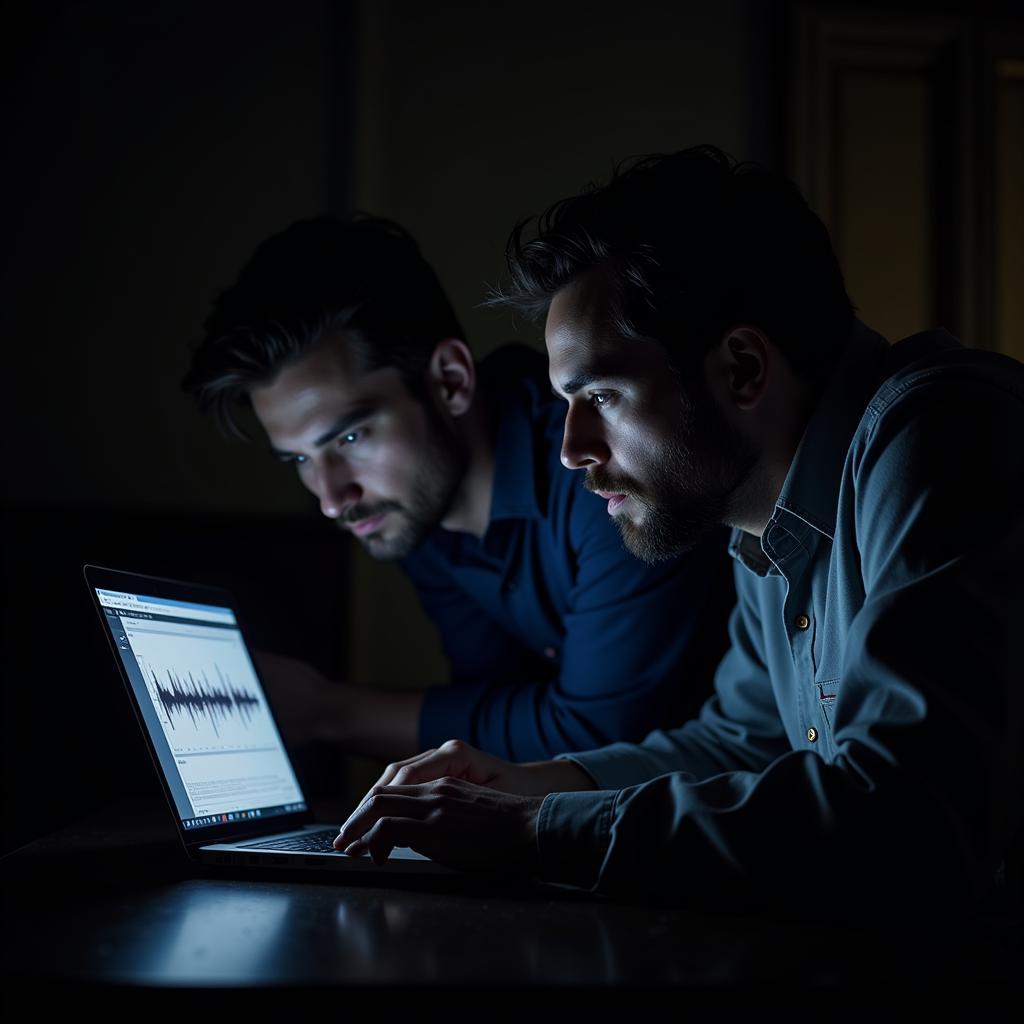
862	751
340	339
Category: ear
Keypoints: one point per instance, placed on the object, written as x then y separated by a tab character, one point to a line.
453	375
741	363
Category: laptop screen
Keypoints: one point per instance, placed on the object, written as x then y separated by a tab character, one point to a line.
204	708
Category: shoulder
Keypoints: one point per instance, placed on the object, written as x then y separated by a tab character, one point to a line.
936	465
530	415
515	379
928	374
518	374
951	397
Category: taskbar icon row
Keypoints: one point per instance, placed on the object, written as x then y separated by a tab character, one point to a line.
226	819
220	819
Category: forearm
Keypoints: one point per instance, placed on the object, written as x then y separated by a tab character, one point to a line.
539	778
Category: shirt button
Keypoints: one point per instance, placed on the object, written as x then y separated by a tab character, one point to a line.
802	622
812	735
550	652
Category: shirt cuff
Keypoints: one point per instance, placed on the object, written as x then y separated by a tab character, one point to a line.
573	833
617	766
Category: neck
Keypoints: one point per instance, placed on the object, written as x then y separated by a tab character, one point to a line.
755	499
470	512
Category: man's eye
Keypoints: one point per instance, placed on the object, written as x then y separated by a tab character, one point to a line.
351	437
600	397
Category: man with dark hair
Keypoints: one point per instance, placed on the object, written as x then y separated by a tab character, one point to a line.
340	339
862	751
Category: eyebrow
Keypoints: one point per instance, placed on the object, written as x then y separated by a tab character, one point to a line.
590	375
341	425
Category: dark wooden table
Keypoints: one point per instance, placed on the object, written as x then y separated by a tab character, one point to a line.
110	907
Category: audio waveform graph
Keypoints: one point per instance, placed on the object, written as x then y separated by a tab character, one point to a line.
201	699
206	700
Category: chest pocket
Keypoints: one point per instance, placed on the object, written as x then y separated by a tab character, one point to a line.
827	691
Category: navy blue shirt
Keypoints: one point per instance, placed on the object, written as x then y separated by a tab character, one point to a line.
558	638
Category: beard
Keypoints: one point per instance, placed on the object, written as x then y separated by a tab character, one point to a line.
442	466
689	491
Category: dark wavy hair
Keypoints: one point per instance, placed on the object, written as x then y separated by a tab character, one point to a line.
364	279
692	244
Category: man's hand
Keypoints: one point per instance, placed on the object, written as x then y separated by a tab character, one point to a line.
452	821
457	760
459	806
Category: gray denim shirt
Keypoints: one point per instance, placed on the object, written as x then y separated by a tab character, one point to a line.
864	744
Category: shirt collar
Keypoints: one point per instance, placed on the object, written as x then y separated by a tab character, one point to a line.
810	493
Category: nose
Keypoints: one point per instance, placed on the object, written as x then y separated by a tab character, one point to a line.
335	488
583	442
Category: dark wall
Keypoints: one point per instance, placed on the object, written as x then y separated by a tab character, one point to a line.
150	147
472	116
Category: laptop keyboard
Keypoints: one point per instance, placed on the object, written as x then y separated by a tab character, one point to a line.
314	842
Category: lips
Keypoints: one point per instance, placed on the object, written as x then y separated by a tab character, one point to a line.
366	526
614	500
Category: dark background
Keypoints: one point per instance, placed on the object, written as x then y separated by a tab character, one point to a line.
150	147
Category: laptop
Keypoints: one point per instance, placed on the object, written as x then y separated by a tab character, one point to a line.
210	731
